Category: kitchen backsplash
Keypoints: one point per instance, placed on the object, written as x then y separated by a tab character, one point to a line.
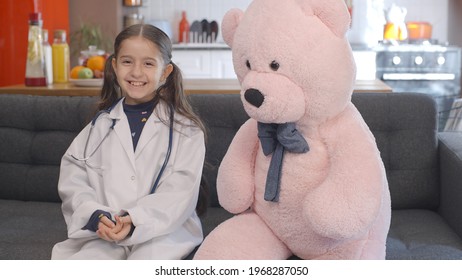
195	10
432	11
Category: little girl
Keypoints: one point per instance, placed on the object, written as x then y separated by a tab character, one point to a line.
115	203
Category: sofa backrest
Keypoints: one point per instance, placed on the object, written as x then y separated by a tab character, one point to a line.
35	131
405	128
404	125
223	115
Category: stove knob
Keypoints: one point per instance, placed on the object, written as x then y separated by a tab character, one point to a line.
441	60
418	60
396	60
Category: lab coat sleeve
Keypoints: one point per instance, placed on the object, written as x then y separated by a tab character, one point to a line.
78	197
176	196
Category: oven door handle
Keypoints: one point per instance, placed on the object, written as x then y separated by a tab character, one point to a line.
418	77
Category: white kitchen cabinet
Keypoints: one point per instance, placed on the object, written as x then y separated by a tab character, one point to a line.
193	64
222	64
204	63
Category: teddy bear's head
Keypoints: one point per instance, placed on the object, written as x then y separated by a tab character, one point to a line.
292	59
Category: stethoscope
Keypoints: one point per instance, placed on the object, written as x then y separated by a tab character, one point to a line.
111	128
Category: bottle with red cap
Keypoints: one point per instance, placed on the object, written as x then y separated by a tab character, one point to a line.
35	63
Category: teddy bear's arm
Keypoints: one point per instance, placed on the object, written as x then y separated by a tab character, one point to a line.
235	179
347	203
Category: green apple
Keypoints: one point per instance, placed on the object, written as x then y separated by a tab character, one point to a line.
85	73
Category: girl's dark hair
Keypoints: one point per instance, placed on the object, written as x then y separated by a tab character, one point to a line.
171	91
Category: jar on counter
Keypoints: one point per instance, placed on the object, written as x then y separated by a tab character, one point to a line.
133	3
132	19
86	54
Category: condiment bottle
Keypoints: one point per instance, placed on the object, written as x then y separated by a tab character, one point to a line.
48	58
184	29
61	64
35	64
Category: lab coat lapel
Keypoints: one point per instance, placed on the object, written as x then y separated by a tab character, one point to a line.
152	128
122	130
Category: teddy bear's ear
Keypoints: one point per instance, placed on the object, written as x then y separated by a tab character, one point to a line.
229	25
333	13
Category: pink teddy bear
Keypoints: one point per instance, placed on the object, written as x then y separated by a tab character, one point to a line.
303	175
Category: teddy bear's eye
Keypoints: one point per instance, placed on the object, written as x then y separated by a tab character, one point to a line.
247	63
274	65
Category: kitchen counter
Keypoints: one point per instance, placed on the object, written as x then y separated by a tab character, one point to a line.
191	86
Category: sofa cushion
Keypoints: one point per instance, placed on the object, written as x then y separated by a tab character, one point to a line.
30	229
421	234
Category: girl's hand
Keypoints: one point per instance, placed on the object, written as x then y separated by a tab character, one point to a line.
105	226
121	229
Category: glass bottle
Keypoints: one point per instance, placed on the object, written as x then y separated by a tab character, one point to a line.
61	64
183	36
35	64
48	58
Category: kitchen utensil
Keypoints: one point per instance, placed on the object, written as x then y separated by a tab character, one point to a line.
214	30
195	30
206	31
418	30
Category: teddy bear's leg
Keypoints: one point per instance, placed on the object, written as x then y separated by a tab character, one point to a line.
244	236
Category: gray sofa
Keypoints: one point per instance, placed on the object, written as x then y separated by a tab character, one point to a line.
424	169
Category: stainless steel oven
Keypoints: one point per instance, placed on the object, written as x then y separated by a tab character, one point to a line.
427	68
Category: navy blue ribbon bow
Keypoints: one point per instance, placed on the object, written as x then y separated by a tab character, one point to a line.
275	139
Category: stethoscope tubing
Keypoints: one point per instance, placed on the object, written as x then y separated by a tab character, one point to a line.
111	128
169	151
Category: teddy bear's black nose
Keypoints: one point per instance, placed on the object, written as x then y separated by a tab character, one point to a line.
254	97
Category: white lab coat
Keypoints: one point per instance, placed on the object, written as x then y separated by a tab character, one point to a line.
117	179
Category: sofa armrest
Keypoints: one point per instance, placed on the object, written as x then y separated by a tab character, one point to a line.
450	157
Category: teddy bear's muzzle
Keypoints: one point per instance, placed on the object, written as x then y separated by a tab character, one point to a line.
254	97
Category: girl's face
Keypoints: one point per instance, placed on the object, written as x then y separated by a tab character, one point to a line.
140	69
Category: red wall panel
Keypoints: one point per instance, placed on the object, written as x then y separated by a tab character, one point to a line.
14	16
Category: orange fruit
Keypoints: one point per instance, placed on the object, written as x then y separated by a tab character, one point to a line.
75	71
96	63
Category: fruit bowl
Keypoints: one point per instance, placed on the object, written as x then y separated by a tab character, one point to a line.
87	82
